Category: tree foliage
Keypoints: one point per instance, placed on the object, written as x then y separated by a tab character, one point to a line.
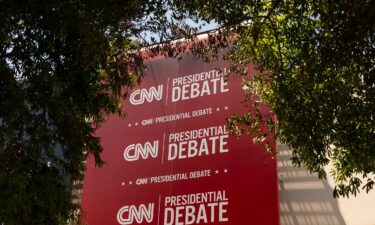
315	69
65	64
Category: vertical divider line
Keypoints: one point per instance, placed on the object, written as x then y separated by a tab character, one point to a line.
159	210
166	97
162	153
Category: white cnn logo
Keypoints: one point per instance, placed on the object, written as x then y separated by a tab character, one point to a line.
127	214
140	96
133	151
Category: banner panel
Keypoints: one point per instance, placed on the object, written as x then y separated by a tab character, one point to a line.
172	161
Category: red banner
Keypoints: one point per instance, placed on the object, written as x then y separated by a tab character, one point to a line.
172	161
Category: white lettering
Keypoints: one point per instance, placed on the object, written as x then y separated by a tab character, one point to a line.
133	151
127	214
138	97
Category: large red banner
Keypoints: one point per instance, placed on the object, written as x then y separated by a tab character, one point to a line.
172	160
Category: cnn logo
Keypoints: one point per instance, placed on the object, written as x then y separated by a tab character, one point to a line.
130	213
138	97
134	151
